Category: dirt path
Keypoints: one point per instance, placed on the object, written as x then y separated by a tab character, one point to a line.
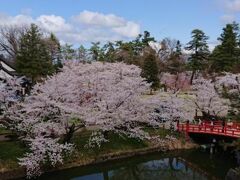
4	137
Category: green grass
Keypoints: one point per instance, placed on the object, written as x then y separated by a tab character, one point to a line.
161	132
116	143
4	131
9	152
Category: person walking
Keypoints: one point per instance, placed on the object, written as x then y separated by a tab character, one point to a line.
200	124
223	126
211	125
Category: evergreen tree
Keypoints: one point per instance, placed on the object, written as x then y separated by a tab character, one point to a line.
147	38
68	53
178	50
141	42
137	45
109	51
54	48
33	59
150	70
97	52
200	52
226	55
82	54
130	52
124	52
175	63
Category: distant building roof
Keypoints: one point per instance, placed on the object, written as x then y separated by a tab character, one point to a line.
7	66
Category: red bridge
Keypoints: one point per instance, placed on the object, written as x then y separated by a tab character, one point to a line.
214	128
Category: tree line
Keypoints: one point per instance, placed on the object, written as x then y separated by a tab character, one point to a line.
37	54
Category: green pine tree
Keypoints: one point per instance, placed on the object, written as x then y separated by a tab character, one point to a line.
226	55
82	54
96	51
178	49
109	52
200	51
150	70
33	59
54	48
68	53
175	63
147	38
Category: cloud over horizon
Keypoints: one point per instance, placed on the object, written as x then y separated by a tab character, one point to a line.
85	27
232	5
231	9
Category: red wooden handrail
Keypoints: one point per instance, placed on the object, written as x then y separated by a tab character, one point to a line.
217	128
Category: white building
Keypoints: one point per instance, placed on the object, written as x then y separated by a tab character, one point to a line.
6	69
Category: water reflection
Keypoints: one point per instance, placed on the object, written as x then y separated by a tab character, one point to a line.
168	168
183	166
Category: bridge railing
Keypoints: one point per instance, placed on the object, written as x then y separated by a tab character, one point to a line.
217	128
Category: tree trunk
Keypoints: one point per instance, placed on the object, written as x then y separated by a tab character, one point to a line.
106	134
192	77
69	135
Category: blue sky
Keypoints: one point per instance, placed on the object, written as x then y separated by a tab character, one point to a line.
83	21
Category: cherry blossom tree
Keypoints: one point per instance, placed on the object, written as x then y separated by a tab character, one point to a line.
176	108
208	100
229	86
108	96
44	150
176	82
10	93
229	82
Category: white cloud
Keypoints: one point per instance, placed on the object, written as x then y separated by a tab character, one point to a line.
130	30
99	19
232	5
155	45
53	23
212	45
86	27
227	18
114	23
15	20
230	9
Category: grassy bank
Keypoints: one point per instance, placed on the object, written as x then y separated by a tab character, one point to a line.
117	147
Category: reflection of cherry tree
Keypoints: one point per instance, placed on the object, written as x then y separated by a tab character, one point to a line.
107	96
168	168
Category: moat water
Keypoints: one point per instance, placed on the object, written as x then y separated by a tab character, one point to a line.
197	164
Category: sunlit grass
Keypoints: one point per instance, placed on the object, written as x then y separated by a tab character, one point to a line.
10	151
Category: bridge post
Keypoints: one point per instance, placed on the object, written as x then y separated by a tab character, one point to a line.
178	128
187	128
186	131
